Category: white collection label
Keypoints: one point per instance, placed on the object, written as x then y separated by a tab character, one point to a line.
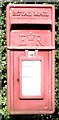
31	77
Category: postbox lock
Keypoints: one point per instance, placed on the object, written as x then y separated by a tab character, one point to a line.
31	53
17	79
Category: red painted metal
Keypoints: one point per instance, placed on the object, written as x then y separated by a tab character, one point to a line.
21	40
31	38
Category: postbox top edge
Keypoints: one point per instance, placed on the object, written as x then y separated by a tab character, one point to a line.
30	5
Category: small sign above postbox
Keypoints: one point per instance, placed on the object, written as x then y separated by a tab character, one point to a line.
30	58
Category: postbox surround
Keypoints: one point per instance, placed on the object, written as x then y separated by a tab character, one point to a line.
16	52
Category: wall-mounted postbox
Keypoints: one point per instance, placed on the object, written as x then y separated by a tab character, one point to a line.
30	58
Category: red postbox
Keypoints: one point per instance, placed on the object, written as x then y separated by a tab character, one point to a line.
31	58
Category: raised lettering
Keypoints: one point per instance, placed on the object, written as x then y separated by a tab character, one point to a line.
28	13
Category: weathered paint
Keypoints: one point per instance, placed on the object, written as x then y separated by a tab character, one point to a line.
19	42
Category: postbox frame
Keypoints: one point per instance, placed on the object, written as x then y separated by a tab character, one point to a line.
10	62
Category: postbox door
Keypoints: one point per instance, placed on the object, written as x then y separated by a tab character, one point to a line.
22	98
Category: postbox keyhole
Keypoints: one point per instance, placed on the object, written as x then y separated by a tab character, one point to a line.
17	79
